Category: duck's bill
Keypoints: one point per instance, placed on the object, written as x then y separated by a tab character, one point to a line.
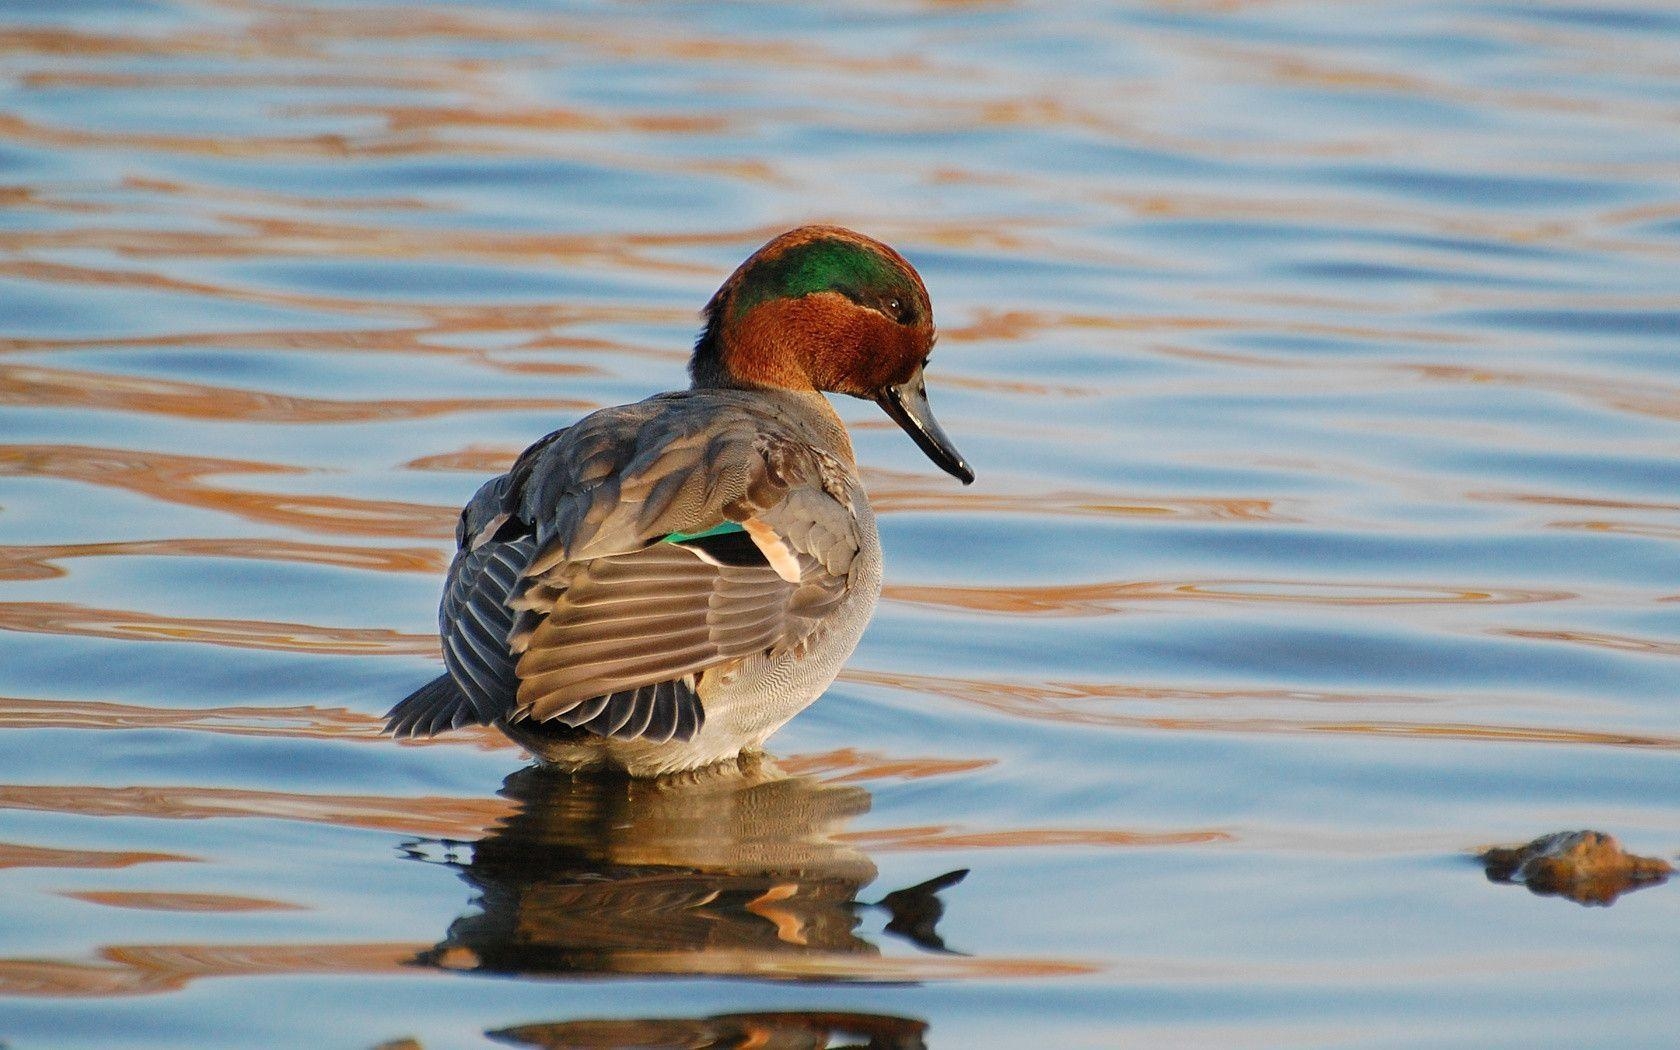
907	404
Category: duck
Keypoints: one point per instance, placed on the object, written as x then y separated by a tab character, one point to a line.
660	586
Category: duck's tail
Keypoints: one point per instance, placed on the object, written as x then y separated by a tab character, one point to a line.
434	707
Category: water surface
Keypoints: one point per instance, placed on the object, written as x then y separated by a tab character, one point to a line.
1318	366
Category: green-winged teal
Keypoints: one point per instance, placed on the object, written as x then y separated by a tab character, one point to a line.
662	585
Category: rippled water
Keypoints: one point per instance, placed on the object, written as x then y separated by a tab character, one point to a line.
1319	366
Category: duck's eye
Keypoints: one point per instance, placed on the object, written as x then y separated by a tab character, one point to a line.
896	309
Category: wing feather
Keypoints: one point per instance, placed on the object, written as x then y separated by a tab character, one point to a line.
662	716
430	709
689	713
641	712
564	602
583	713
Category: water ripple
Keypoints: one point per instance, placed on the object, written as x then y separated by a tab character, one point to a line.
1318	370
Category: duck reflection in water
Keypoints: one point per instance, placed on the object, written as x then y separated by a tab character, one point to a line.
734	871
760	1031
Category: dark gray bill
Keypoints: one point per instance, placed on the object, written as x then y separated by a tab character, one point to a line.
907	404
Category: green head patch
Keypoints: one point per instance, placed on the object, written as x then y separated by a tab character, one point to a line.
857	271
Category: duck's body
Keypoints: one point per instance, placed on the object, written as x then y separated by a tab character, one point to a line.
662	585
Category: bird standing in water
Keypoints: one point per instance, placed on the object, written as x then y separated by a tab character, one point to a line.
660	586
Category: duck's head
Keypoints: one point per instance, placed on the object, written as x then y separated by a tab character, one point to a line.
824	308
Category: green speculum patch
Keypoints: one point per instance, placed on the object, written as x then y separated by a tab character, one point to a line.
720	529
857	272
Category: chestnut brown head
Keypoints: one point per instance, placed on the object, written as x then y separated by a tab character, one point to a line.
825	308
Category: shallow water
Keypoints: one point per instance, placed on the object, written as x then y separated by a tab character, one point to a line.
1318	366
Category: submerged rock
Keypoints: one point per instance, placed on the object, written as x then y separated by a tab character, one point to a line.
1588	867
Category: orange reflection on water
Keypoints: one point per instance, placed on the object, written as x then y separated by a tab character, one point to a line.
849	765
172	478
547	119
108	392
329	235
437	817
1027	325
268	197
1556	499
65	618
300	722
152	969
1092	703
400	341
83	44
1312	72
942	836
1649	529
474	459
154	900
1641	397
199	81
1099	598
123	970
70	276
1597	639
40	562
325	144
18	855
1655	532
892	491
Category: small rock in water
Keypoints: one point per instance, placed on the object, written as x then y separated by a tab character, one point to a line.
1588	867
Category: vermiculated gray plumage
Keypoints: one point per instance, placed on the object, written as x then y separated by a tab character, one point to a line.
565	604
